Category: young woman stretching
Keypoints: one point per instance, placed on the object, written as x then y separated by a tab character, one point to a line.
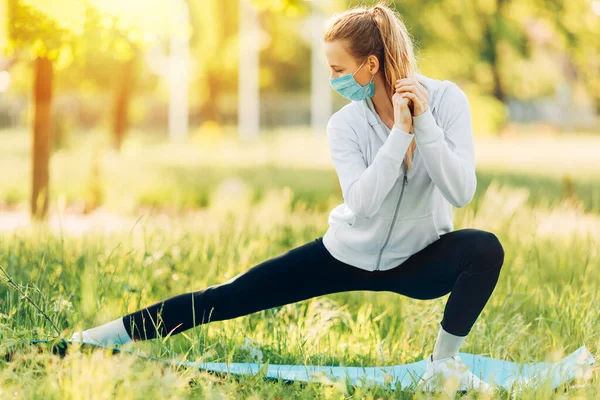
404	155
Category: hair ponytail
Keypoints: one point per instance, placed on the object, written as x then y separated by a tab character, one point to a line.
378	30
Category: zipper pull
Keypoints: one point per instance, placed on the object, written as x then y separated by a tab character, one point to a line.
405	180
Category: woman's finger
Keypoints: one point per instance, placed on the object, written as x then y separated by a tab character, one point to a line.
411	96
419	105
406	81
412	82
404	89
415	99
412	89
422	89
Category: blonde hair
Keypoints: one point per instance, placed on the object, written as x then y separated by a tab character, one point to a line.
378	30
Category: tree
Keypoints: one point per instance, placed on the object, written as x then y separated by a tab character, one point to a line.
160	19
47	34
576	24
109	56
54	33
213	47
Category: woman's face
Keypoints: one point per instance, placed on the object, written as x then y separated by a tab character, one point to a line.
342	63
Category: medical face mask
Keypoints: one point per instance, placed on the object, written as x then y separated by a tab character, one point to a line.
348	87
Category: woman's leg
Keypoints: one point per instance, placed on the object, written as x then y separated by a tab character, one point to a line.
465	262
298	274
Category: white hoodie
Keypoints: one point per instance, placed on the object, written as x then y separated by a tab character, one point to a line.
388	213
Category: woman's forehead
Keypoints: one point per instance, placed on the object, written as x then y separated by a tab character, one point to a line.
336	53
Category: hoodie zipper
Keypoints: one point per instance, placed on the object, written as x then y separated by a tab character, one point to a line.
392	224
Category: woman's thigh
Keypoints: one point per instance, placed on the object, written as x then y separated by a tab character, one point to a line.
298	274
432	272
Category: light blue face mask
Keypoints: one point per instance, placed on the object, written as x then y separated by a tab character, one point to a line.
348	87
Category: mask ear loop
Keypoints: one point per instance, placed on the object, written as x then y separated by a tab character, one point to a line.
358	69
366	87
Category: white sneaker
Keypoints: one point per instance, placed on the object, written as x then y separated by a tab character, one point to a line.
83	337
450	374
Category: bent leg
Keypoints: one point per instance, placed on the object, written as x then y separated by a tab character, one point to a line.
465	262
298	274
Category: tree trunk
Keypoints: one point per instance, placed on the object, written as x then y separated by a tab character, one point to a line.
498	89
210	110
42	136
121	104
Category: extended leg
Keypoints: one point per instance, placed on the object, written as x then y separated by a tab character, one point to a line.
298	274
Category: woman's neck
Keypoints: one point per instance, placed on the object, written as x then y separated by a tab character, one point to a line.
381	102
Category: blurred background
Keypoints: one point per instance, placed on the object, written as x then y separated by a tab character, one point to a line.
144	105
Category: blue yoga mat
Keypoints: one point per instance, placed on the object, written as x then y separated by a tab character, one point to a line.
496	372
502	373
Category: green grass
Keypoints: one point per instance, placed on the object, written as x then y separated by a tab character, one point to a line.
546	303
151	173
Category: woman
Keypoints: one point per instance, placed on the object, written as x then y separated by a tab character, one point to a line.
404	155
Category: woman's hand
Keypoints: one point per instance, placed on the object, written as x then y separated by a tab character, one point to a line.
412	89
402	116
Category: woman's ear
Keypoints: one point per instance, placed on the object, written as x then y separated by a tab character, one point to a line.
373	62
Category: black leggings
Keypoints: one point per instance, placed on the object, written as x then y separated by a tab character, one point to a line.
466	262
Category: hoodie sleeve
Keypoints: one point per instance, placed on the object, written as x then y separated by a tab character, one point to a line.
365	187
448	152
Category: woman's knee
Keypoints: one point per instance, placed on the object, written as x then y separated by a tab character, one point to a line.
487	247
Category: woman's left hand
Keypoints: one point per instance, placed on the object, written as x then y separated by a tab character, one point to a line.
415	91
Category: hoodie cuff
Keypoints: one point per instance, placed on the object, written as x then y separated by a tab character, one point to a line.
396	144
426	129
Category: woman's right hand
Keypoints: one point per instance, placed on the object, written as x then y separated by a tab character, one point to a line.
402	114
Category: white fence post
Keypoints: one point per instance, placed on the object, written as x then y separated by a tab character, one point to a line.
248	90
321	98
179	70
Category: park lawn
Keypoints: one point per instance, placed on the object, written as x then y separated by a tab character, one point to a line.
545	304
152	173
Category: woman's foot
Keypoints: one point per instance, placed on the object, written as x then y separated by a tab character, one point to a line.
83	337
109	334
450	373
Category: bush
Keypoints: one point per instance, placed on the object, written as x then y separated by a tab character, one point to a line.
488	114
